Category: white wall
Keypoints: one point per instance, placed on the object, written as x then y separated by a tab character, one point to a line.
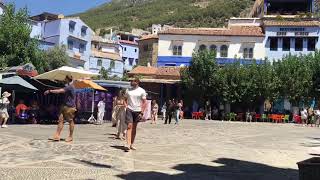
192	42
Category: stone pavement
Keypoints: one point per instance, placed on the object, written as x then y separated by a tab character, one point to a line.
192	150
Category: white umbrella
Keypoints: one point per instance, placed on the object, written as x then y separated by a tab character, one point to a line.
61	73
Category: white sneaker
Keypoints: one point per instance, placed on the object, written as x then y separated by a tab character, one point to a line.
4	126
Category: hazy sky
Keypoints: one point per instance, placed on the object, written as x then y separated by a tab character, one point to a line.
65	7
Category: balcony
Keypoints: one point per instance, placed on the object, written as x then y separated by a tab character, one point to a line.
288	7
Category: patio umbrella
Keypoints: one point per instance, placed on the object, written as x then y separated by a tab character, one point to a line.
81	84
85	84
16	84
61	73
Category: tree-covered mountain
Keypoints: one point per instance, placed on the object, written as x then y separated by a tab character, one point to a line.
128	14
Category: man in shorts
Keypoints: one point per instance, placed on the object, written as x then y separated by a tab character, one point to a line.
136	100
68	109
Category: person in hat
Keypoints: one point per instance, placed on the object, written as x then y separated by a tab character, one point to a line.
136	98
68	109
4	115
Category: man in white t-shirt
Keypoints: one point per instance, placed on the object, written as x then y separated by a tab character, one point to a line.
136	103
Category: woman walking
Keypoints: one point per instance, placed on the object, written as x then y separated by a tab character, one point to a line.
154	113
4	116
178	106
121	116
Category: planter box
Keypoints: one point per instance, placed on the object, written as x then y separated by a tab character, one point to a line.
309	169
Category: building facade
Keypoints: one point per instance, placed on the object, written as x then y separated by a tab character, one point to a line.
106	54
69	31
290	37
289	25
232	44
129	50
148	50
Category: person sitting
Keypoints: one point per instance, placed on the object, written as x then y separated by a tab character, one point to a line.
34	112
21	113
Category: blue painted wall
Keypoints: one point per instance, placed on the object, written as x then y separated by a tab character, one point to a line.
178	61
117	70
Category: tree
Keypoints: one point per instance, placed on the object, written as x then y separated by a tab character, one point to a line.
201	76
295	75
16	46
54	58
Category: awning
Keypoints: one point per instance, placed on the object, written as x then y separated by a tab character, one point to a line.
113	84
61	73
18	84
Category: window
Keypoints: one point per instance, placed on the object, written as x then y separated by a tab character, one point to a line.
286	44
84	31
124	59
177	50
251	53
213	48
82	48
131	61
135	50
125	49
112	64
312	44
298	44
72	25
224	51
99	63
273	44
95	46
137	61
202	47
245	53
70	44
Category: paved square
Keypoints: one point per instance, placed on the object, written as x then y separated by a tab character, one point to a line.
193	150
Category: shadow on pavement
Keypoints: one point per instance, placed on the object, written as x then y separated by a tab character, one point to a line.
96	165
119	147
230	169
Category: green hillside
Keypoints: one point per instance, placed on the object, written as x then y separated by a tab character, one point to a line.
128	14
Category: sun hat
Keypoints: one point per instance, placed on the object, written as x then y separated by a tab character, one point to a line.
6	94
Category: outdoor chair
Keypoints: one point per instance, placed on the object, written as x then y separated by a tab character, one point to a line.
264	118
286	118
232	116
258	117
240	117
297	119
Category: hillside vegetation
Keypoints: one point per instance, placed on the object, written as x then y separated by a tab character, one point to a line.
128	14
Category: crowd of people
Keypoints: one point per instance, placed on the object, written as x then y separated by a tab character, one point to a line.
172	108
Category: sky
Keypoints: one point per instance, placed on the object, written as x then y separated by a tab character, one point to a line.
66	7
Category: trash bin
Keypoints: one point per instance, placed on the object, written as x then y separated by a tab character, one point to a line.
309	169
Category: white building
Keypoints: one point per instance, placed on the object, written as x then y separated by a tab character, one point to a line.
235	43
2	7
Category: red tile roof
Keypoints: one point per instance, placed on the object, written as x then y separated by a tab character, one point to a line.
143	70
128	42
150	36
291	23
172	73
232	31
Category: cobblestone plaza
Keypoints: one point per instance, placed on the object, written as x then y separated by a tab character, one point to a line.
192	150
